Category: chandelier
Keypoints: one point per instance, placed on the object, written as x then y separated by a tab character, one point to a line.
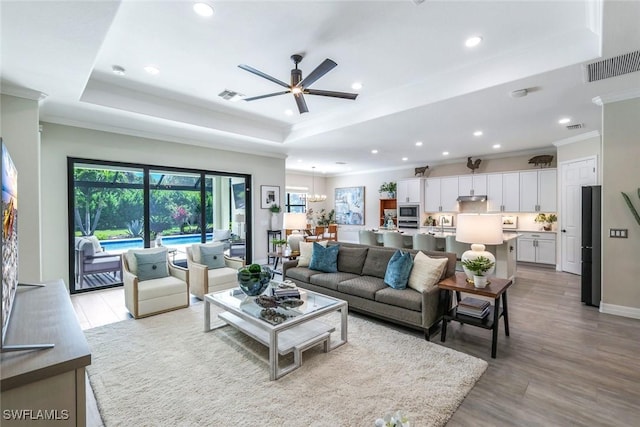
315	197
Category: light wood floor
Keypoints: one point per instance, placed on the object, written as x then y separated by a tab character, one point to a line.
564	363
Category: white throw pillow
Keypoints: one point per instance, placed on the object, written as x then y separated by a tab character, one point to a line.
306	250
426	272
96	244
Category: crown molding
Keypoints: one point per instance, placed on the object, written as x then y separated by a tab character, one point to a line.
577	138
22	92
617	96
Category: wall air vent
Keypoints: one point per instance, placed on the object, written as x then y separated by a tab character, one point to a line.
576	126
612	67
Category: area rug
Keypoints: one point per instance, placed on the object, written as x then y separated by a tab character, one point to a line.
165	371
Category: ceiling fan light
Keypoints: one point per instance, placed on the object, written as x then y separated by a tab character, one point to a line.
296	90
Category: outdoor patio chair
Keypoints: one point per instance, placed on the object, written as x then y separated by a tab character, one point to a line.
152	284
92	259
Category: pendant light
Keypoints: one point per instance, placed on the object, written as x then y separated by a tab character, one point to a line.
314	197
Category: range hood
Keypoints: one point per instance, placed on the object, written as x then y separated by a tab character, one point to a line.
479	198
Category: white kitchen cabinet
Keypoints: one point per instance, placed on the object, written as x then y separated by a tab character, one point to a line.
410	190
537	247
441	194
503	192
472	185
538	190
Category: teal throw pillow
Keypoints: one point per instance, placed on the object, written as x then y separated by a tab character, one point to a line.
152	266
398	270
212	256
324	259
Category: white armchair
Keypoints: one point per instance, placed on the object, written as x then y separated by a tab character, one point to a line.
203	280
155	295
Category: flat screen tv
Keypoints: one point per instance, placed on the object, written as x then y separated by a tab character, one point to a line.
9	248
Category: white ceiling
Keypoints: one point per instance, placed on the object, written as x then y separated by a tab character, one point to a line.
420	81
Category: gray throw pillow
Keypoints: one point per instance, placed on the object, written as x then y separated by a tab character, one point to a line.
212	256
151	266
351	260
376	263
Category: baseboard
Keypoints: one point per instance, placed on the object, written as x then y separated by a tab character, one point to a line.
620	310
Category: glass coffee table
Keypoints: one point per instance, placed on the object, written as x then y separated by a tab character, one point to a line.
298	329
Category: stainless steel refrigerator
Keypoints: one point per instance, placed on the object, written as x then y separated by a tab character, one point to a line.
591	244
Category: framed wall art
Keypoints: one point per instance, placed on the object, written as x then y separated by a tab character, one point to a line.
349	205
269	195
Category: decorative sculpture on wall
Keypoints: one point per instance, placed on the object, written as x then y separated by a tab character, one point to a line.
421	171
473	164
631	207
542	161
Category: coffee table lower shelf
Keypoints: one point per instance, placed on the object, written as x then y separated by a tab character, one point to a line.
296	339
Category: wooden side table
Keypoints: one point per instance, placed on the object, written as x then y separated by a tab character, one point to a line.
496	289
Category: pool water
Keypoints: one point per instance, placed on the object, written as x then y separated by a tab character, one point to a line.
124	244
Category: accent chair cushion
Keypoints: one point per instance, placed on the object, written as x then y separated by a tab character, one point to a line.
212	255
306	250
426	272
131	257
324	259
398	270
151	265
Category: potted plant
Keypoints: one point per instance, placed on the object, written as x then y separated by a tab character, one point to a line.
478	267
275	210
387	190
547	220
279	244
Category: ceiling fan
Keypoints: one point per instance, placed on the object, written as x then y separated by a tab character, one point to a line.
299	86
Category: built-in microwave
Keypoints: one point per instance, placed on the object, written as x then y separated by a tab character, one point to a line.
409	216
409	211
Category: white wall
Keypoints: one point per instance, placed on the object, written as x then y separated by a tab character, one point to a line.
60	142
20	134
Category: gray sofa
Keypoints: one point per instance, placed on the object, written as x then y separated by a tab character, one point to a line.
360	282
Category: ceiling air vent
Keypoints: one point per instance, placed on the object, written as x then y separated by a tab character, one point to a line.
612	67
576	126
230	95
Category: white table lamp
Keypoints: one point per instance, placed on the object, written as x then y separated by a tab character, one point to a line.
479	230
295	222
239	219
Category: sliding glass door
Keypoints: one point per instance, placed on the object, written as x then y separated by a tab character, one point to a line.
117	207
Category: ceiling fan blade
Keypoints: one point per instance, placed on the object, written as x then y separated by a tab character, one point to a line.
263	75
343	95
253	98
302	105
322	69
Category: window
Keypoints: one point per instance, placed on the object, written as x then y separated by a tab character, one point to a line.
296	202
114	207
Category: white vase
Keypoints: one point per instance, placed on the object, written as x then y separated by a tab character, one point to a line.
479	281
274	221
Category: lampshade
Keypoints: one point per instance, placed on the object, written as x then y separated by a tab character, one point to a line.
479	230
239	218
294	221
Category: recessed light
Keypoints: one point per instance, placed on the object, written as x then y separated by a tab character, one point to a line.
288	112
374	151
300	160
473	41
203	9
496	146
118	70
404	159
445	153
477	133
419	144
356	86
564	120
151	70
